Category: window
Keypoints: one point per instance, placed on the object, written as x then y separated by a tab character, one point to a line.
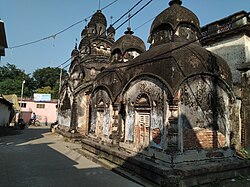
23	105
92	71
40	105
145	119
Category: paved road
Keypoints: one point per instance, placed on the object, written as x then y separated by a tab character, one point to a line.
36	157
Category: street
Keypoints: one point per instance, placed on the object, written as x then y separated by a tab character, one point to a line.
37	157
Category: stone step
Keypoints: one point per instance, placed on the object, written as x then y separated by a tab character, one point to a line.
116	168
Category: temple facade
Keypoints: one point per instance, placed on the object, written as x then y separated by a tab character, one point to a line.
158	111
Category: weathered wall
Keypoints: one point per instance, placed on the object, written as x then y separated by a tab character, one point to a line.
64	110
204	113
64	118
234	52
101	115
82	112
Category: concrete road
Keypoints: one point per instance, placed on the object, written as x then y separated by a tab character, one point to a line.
36	157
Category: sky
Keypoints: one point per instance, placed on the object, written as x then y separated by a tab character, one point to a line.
31	20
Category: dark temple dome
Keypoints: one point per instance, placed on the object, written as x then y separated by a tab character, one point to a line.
111	29
129	41
98	17
172	21
75	52
174	15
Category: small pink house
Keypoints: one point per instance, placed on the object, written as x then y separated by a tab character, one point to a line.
46	111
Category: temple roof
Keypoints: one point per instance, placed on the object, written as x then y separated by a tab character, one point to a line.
129	41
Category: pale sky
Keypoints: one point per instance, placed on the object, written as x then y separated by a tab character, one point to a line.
30	20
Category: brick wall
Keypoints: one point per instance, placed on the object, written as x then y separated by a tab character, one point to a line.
203	139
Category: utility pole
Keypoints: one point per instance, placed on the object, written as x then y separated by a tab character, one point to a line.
21	98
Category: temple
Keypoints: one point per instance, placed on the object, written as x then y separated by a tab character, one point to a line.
166	113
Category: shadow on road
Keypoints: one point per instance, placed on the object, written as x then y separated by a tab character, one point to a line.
36	157
8	131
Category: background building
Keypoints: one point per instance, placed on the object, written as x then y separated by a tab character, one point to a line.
45	110
230	39
7	112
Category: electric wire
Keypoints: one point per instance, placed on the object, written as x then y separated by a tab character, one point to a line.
115	23
186	44
64	63
125	20
127	12
60	32
134	14
144	23
178	65
161	55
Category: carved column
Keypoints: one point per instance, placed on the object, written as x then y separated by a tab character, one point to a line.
87	115
173	127
73	121
115	125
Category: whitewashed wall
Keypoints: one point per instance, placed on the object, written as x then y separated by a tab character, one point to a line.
235	51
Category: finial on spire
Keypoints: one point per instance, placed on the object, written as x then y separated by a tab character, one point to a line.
129	31
172	2
129	16
99	6
76	44
111	19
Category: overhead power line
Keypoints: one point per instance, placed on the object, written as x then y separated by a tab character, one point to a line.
161	56
60	32
144	23
134	14
115	23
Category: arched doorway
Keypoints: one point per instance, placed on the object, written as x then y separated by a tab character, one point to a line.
143	118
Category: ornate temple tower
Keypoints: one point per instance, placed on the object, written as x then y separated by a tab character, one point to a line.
91	57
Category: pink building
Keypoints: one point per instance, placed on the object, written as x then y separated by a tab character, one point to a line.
46	111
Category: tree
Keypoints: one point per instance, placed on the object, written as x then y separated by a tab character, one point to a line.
48	77
11	79
45	80
45	90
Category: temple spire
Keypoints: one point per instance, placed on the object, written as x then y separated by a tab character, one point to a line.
129	31
172	2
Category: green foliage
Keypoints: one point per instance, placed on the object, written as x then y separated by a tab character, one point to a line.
45	90
45	80
11	79
48	77
11	72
